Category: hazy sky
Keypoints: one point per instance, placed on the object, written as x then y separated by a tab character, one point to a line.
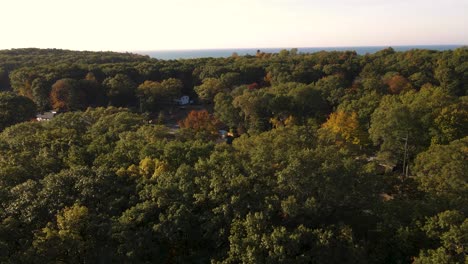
198	24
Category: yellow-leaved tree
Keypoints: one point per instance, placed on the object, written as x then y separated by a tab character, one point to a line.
343	128
67	238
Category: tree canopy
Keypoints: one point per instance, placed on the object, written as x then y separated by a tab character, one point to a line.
327	157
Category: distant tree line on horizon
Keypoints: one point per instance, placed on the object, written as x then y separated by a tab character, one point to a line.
336	158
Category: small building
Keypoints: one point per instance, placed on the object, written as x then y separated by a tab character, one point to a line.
184	100
46	116
222	133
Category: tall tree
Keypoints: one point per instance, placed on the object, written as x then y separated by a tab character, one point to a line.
69	240
225	110
344	129
41	93
201	122
120	89
441	171
403	123
209	88
451	71
4	80
66	95
15	109
155	95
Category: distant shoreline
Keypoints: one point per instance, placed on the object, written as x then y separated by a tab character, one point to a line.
220	53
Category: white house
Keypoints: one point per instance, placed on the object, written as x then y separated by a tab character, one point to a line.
184	100
46	116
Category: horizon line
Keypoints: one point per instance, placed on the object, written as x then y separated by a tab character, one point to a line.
251	48
292	47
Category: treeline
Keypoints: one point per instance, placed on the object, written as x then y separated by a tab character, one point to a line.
93	78
337	158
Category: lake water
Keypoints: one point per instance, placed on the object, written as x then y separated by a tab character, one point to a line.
219	53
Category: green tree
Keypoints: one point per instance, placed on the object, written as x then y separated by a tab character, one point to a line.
406	120
120	90
391	126
254	240
15	109
69	240
93	90
104	134
4	80
231	79
155	95
136	240
441	171
449	229
41	91
225	110
332	88
363	105
307	102
209	88
451	71
452	122
254	107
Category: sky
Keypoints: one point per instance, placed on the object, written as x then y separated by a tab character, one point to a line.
142	25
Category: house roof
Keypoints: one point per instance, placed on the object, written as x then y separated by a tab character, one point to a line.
46	115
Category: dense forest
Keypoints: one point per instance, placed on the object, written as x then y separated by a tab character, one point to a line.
331	157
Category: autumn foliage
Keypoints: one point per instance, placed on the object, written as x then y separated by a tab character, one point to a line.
398	84
66	95
343	128
201	121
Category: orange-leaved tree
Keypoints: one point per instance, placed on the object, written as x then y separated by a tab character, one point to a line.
397	84
201	121
66	95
